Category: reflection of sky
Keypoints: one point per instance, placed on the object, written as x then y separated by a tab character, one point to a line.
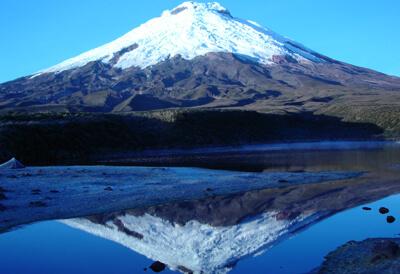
306	250
52	247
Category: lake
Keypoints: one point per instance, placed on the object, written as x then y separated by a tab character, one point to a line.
285	228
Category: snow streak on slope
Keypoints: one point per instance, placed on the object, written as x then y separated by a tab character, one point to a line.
198	247
191	29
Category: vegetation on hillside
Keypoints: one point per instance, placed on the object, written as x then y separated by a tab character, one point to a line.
77	138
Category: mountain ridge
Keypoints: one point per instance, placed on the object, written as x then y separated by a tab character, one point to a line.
197	56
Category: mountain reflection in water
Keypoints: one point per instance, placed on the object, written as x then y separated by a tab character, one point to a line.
213	234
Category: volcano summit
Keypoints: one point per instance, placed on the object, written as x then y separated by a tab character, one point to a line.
198	55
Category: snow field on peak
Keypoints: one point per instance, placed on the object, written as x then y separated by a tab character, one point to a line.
191	30
196	246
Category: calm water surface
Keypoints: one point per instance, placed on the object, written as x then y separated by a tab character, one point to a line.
272	231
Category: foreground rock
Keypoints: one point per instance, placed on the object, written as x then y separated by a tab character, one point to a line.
380	255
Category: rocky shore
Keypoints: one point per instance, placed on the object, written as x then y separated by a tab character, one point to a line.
378	255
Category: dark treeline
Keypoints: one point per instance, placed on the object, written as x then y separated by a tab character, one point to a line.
76	138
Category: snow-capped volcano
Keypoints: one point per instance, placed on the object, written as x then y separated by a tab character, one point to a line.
197	55
190	30
195	247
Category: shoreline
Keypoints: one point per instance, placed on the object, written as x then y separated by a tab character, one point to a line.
83	138
128	158
373	255
36	194
268	147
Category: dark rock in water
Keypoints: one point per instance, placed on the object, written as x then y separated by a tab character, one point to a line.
2	190
2	196
12	164
390	219
282	181
2	208
208	189
54	191
108	188
367	208
383	210
37	204
158	266
368	256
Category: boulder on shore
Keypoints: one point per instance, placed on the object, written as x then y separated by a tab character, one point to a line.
380	255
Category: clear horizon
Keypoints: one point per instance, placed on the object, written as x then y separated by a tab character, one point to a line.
44	33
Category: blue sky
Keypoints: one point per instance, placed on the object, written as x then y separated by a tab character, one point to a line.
38	34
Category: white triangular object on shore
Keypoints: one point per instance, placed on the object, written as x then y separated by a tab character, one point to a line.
12	164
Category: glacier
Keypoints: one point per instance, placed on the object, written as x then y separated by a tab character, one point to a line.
190	30
196	247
